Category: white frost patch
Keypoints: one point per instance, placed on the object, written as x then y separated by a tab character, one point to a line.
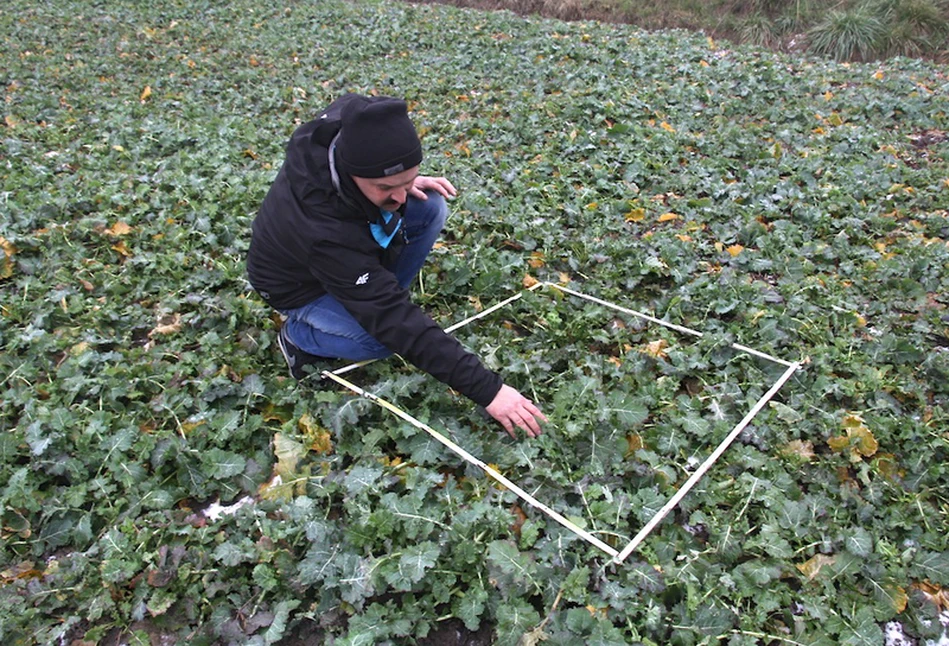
893	633
216	509
895	637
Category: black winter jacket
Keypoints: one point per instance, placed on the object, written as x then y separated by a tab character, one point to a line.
312	237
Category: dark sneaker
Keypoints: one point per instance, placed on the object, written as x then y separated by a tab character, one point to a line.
296	358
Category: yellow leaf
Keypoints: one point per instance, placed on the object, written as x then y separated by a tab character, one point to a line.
839	443
878	75
655	349
898	597
592	205
684	238
6	267
835	119
168	324
828	95
121	249
536	260
703	63
668	217
665	126
188	426
852	421
888	467
636	215
534	637
858	438
147	92
22	570
564	278
529	281
802	449
866	444
933	593
734	250
119	229
11	121
812	566
634	442
317	436
289	453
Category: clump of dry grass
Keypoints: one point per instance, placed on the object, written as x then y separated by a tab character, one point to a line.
848	30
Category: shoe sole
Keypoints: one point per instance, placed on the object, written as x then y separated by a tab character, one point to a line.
286	355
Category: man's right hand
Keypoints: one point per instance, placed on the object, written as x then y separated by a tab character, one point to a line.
512	409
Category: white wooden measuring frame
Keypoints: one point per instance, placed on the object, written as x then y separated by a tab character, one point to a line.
618	556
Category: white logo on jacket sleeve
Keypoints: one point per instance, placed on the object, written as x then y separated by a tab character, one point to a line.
362	280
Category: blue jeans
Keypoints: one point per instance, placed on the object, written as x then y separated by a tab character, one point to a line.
324	328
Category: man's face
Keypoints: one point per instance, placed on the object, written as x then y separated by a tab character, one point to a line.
388	193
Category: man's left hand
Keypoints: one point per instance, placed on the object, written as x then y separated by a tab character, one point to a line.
512	409
438	184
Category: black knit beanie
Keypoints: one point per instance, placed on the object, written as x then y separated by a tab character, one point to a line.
377	138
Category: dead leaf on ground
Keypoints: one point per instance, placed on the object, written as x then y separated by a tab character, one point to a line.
119	229
803	449
812	566
933	593
168	324
655	349
858	438
317	437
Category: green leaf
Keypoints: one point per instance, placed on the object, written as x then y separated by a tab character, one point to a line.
223	464
629	411
514	618
785	413
231	554
278	627
415	561
580	621
506	556
932	565
861	630
469	606
859	542
575	585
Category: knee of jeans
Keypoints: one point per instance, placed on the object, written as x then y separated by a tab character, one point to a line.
430	213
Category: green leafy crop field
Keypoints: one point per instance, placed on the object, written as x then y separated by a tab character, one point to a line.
792	205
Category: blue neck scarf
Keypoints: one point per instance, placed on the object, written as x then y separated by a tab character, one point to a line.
385	230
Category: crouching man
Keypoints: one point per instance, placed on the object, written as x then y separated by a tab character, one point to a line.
343	231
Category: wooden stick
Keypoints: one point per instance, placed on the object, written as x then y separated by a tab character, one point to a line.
695	477
475	461
672	326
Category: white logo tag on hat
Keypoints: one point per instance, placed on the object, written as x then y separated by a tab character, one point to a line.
362	280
